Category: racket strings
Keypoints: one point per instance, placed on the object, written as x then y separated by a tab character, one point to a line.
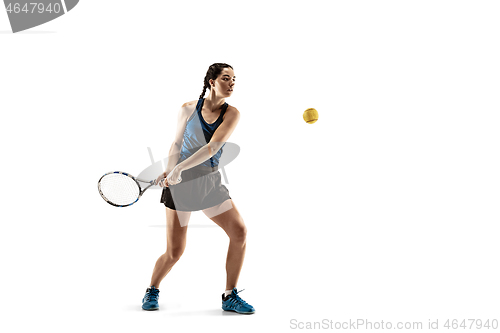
119	189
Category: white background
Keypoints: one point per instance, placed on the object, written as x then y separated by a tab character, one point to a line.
385	209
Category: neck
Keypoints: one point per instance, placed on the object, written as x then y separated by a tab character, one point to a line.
214	102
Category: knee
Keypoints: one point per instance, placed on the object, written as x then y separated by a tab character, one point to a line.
175	252
239	233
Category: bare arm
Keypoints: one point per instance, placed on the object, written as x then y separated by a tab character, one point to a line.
220	137
175	149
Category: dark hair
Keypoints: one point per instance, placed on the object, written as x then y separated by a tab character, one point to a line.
212	73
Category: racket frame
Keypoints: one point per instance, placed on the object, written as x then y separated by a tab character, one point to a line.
136	180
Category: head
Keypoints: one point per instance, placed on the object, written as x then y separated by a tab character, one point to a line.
220	79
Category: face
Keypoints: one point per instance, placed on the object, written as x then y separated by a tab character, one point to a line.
224	83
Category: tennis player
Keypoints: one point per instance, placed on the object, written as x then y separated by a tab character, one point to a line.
192	182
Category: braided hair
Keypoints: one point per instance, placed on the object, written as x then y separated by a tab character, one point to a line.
212	73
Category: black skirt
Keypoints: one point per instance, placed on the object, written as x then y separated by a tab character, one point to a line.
199	189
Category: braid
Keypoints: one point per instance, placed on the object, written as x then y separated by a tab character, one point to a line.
212	73
204	89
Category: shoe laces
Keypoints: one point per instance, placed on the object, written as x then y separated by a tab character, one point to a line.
152	294
236	298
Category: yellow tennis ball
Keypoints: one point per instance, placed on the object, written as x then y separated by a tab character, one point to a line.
310	115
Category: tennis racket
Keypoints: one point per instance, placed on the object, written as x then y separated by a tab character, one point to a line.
121	189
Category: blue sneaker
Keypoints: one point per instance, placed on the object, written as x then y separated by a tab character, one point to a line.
233	302
150	300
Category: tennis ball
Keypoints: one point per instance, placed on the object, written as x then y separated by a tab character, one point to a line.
310	115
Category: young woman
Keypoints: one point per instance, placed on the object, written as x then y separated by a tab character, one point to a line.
192	182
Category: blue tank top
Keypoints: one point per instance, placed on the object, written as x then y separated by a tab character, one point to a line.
198	133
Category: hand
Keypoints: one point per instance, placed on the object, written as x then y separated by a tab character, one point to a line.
161	180
174	177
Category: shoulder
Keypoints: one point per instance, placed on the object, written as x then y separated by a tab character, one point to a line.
233	111
187	104
187	109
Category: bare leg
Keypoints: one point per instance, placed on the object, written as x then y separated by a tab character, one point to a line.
232	223
176	243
